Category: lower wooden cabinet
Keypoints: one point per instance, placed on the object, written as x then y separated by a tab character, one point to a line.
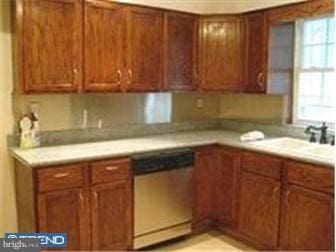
205	167
265	200
307	220
111	211
259	209
227	186
92	203
65	212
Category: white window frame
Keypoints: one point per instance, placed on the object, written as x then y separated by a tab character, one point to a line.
297	70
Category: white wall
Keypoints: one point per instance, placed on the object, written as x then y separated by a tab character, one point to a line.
7	200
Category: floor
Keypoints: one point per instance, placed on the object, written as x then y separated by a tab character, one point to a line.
211	241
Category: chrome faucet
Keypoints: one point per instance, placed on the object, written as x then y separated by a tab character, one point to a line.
323	136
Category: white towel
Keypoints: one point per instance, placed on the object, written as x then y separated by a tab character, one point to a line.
252	136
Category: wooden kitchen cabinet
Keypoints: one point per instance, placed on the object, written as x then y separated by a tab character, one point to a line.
256	51
90	202
144	45
180	59
111	210
227	187
307	214
222	53
104	53
65	211
259	209
307	220
49	45
206	162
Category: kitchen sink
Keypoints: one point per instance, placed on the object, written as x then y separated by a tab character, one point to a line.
285	143
322	151
293	145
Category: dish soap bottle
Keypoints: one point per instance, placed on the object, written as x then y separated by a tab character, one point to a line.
26	125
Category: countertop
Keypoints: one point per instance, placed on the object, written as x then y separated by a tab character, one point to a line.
63	154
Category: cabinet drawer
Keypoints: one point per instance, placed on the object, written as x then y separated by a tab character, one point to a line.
310	176
261	164
110	170
62	177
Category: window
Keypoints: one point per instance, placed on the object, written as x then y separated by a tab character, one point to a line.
314	72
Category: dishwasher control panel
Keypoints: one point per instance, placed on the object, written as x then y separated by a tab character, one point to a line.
161	161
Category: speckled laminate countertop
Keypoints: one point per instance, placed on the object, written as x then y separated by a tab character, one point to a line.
63	154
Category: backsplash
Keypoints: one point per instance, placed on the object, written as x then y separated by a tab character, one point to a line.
270	109
66	111
75	118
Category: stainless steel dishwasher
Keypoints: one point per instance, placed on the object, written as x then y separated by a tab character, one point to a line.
162	196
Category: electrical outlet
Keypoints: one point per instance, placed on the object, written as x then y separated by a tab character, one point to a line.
199	103
100	123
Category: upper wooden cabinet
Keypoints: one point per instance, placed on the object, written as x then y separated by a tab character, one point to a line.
49	43
123	47
256	52
180	59
222	53
100	45
104	26
144	49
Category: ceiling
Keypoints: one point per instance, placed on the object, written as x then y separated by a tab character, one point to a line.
212	6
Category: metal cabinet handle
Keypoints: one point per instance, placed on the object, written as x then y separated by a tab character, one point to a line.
195	80
130	76
111	168
61	175
75	74
95	196
119	76
260	83
275	192
81	200
287	196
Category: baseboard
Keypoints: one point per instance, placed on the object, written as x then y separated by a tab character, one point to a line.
243	238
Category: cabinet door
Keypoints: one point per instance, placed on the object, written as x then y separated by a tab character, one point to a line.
307	220
222	53
65	212
256	51
227	186
52	45
180	62
104	37
205	167
112	216
259	209
144	49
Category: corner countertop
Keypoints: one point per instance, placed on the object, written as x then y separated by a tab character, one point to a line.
63	154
